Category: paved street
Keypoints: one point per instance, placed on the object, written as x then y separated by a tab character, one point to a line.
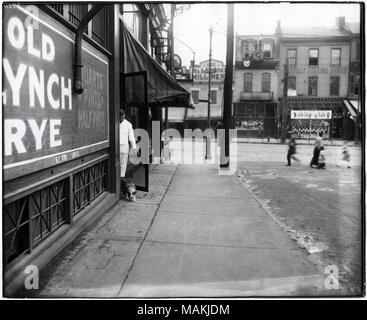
320	209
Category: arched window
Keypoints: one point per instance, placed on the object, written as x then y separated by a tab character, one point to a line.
265	82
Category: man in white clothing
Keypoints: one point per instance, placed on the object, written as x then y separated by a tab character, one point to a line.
126	136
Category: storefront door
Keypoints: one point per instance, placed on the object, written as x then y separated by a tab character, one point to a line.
138	115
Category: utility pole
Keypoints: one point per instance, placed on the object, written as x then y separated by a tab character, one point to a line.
228	85
209	140
210	73
172	59
285	105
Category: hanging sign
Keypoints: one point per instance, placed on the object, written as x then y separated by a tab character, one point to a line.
311	114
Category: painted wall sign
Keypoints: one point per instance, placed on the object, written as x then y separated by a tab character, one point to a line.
45	123
316	70
201	72
311	114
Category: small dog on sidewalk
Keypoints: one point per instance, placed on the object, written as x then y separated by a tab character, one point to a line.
128	190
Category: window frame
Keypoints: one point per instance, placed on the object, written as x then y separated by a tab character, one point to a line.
267	43
355	83
338	93
265	83
244	76
339	58
198	91
309	56
295	83
216	96
317	83
295	56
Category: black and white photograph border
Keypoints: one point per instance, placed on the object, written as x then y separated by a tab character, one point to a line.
183	150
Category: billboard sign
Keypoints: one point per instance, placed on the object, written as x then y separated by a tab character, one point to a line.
44	121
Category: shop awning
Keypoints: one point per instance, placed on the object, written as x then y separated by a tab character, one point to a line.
350	108
163	90
356	104
336	105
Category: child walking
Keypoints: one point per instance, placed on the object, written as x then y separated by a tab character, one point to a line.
291	151
346	154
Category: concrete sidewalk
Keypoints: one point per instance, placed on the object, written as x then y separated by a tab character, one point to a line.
195	234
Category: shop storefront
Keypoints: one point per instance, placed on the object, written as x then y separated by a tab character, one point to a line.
339	125
61	167
255	119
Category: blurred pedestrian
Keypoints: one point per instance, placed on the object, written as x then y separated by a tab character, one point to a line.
166	157
316	151
321	159
346	154
291	151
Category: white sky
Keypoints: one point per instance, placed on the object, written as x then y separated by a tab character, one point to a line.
192	26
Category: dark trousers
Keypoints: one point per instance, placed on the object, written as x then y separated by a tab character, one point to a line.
289	154
315	158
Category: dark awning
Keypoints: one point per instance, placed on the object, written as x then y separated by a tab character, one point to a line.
163	90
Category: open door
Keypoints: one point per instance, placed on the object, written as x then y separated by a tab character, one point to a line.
138	115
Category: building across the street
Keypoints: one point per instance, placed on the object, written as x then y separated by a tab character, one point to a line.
255	91
62	96
198	87
311	68
316	63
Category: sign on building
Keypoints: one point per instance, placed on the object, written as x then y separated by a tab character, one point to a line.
311	114
45	123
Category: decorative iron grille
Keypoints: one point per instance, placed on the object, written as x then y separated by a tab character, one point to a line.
48	210
29	220
88	184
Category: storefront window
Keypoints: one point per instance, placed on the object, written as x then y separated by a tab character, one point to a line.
334	86
335	56
248	82
314	57
292	57
265	87
312	86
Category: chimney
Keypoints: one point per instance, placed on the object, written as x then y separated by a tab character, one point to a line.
340	22
278	29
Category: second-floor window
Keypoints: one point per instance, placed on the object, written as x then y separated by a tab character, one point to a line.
265	82
314	57
334	86
355	84
291	83
213	96
335	56
292	57
195	95
266	47
312	86
248	82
